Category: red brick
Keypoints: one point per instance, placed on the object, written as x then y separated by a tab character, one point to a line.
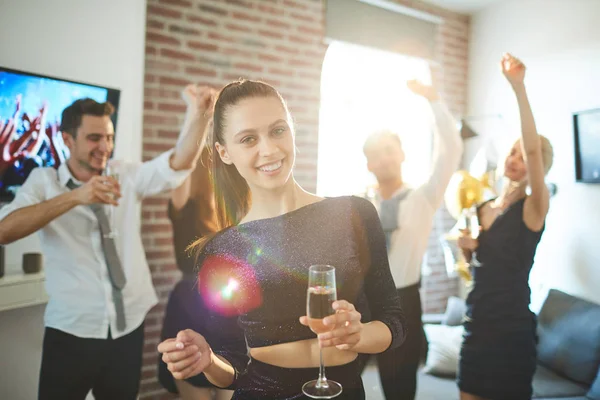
163	12
295	4
159	120
270	58
199	20
163	93
238	28
284	72
287	49
164	241
302	17
270	34
180	3
201	71
248	67
172	107
148	105
241	3
300	39
245	17
230	77
311	31
183	30
278	24
162	66
167	80
212	10
271	10
220	38
150	50
237	52
163	39
152	23
177	55
155	201
300	63
202	46
149	78
156	147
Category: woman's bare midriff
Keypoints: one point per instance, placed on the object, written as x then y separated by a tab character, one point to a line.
301	354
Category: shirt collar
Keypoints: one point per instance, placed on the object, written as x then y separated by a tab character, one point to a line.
64	175
398	192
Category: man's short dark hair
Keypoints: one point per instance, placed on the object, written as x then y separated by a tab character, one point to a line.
72	115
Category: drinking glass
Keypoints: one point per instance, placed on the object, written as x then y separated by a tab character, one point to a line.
319	304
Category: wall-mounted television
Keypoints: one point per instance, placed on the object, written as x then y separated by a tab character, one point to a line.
30	111
586	127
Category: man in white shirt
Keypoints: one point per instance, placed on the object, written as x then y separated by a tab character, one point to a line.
407	216
97	276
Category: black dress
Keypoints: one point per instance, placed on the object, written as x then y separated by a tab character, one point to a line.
258	271
498	355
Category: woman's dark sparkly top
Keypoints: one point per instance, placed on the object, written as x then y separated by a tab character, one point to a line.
259	271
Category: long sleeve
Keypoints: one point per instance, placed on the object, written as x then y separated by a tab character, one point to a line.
224	335
379	288
156	176
447	153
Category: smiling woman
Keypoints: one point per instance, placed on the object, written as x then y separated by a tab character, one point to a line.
256	267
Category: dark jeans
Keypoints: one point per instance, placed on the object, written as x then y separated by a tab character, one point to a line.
72	366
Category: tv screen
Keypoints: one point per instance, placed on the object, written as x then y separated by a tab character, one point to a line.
586	126
30	112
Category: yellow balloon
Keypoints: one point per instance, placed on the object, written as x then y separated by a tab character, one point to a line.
463	192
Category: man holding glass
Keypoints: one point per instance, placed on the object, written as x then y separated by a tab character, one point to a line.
406	217
97	277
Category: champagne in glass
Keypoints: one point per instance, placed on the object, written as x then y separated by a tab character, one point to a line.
112	170
319	300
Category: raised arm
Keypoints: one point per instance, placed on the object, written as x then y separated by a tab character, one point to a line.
447	144
199	100
30	211
169	170
537	204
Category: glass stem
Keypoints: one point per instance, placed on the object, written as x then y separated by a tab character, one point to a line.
322	381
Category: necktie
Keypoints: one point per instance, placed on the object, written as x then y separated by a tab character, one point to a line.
115	269
388	215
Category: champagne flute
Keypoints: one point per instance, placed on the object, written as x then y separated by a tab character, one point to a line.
319	304
112	170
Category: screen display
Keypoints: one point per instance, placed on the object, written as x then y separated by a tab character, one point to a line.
30	112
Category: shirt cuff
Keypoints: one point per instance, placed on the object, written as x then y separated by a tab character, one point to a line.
173	178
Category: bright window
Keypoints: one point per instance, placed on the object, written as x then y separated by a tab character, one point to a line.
364	90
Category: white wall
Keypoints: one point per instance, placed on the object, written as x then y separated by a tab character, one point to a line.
559	41
95	42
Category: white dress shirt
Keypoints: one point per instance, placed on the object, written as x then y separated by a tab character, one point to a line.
415	218
77	281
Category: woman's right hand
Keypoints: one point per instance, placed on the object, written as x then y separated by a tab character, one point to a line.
466	242
186	355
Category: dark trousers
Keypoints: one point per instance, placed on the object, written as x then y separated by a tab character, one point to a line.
72	366
398	367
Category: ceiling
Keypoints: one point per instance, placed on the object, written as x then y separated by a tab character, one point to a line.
463	6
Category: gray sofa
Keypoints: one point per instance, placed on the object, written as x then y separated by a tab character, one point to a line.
568	354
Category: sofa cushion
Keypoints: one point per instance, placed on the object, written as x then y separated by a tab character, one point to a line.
594	392
444	349
569	337
455	311
548	384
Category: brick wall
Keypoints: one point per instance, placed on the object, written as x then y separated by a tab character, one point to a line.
281	42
